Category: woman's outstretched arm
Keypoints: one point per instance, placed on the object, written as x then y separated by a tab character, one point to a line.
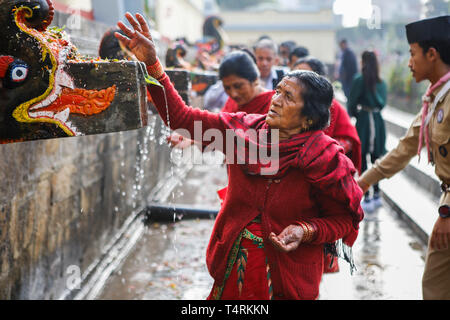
172	109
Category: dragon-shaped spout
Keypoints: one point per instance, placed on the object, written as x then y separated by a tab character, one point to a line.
40	93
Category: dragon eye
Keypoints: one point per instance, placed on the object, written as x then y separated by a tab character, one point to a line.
19	73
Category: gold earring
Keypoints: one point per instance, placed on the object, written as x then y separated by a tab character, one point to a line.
305	127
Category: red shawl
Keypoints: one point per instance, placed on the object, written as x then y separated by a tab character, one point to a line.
342	128
258	105
340	124
320	157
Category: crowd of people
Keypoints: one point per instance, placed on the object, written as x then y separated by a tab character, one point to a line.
277	232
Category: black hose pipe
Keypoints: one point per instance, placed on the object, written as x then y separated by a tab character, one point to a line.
169	213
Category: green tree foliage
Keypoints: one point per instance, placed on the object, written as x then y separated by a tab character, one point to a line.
436	8
241	4
397	80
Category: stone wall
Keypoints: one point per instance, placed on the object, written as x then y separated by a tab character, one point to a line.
62	200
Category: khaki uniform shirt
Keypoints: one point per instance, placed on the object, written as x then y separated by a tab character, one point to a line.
398	158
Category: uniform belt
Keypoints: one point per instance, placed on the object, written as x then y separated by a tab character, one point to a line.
445	187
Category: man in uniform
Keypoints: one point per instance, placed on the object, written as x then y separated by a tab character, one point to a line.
429	42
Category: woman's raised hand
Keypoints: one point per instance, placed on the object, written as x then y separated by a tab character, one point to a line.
138	40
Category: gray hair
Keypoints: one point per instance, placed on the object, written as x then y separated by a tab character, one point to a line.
266	44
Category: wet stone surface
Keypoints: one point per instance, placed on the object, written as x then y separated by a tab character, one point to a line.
389	260
169	261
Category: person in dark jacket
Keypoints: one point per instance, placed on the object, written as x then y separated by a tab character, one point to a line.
348	67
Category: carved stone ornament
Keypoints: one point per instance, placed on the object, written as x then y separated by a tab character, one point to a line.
48	91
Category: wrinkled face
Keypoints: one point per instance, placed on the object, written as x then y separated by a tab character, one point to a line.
239	89
419	63
285	111
265	60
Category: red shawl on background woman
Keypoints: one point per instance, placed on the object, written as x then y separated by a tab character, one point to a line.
342	130
258	105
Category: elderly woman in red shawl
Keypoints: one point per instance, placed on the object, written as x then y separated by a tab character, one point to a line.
343	131
268	238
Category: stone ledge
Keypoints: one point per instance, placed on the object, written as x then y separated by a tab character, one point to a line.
414	206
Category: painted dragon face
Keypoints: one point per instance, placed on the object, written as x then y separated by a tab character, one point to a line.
37	94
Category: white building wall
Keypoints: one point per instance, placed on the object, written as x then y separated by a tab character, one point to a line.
314	30
180	18
77	4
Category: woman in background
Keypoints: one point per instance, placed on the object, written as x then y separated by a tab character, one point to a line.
368	96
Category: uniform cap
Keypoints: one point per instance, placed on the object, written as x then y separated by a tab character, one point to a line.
433	29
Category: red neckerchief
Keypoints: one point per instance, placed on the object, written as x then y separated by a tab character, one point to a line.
426	104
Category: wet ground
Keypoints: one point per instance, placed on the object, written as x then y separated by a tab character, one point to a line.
169	261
